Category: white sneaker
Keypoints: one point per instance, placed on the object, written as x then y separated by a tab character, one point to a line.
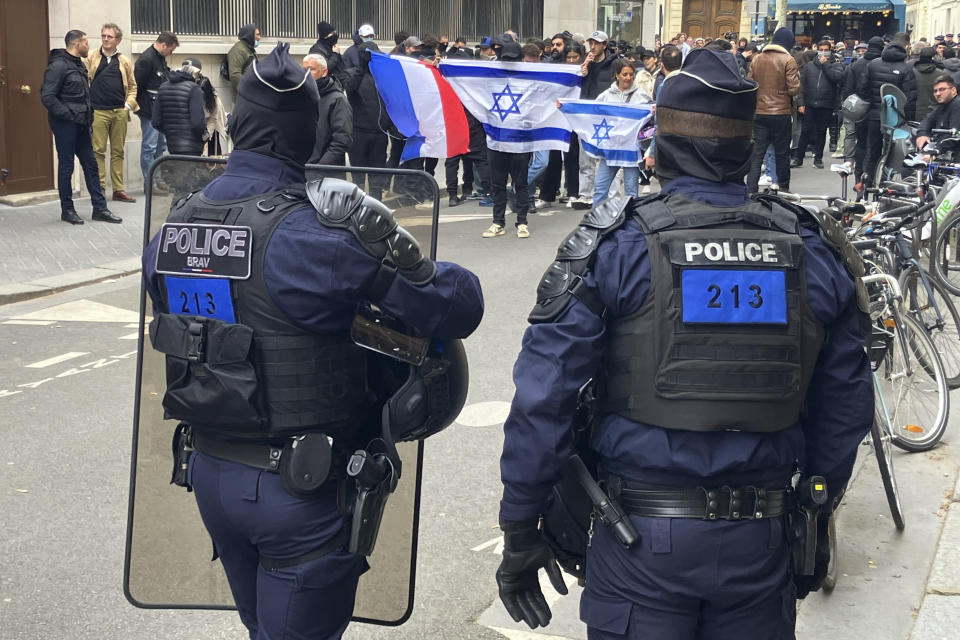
837	154
765	181
522	231
494	231
775	186
646	189
543	204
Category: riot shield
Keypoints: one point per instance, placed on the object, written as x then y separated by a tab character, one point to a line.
167	563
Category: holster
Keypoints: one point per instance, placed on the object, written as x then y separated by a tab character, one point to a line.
375	477
181	456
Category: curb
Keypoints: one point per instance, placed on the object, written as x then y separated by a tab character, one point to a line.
20	291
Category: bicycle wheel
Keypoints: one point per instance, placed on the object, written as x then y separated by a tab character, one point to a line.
943	328
911	380
833	568
947	263
881	439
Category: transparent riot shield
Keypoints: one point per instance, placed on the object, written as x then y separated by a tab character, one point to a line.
167	563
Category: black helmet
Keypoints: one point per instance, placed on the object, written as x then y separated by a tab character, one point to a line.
433	394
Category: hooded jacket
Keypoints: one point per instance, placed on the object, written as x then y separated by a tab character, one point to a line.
178	114
241	55
926	70
65	91
369	113
776	74
892	68
335	125
952	66
324	46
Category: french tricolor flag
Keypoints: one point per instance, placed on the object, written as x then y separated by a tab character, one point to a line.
423	107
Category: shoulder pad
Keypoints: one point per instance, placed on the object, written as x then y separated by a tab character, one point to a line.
333	199
564	278
343	205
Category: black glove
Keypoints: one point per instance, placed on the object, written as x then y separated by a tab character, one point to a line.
365	54
806	584
524	553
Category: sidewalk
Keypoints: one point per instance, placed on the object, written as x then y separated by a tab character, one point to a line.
40	254
939	614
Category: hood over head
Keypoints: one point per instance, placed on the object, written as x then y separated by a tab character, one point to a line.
784	37
247	33
705	120
894	53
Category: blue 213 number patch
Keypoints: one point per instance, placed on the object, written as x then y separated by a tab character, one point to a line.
208	297
730	296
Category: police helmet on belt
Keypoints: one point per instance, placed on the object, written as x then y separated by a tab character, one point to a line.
705	119
432	395
276	110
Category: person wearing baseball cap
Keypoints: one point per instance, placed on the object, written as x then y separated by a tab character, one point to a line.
696	438
597	70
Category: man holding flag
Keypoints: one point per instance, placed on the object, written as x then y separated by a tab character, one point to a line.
515	103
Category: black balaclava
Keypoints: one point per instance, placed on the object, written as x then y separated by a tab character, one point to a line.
705	120
275	113
324	28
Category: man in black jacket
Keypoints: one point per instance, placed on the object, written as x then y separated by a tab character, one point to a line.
855	141
947	113
151	71
370	121
65	94
326	45
891	68
817	101
178	112
335	125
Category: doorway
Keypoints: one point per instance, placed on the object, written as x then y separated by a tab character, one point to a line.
26	146
710	18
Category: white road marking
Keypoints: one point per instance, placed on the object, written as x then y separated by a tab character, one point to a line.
49	362
30	323
130	336
518	634
132	325
496	543
484	414
83	311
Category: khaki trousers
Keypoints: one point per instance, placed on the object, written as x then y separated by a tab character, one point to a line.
110	124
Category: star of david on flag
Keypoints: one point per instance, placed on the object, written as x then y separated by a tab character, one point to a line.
511	97
516	102
597	135
608	130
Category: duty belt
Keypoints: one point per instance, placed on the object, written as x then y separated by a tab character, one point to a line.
720	503
259	455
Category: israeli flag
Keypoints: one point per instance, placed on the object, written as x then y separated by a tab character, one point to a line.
608	130
516	101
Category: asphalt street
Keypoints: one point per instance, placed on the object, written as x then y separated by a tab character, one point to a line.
66	402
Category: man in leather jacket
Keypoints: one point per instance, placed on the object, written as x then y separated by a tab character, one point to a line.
713	559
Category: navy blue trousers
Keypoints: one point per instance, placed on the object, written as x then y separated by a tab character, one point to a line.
691	580
248	514
71	140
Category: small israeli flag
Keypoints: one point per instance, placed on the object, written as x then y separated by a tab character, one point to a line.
516	101
608	130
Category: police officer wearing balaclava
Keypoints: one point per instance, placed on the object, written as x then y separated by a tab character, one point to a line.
283	549
727	338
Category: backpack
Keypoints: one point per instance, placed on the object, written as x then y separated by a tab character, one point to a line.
224	69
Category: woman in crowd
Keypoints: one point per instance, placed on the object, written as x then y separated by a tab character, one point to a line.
216	118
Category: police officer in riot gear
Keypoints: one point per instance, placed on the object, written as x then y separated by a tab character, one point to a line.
726	339
255	282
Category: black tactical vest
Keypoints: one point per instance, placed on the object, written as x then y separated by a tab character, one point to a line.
236	366
726	338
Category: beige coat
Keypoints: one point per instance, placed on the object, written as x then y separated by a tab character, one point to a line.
126	71
775	72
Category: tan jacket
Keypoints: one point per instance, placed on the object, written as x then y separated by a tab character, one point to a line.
775	71
126	70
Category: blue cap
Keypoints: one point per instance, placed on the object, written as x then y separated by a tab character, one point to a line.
486	42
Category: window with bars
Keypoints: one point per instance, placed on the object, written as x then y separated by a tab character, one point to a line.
297	19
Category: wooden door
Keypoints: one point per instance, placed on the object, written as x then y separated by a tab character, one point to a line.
710	18
26	146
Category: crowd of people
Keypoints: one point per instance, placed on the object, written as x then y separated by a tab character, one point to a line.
802	93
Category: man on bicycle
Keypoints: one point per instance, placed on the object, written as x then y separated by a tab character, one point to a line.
947	113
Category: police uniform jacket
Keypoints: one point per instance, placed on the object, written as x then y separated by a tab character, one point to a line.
559	356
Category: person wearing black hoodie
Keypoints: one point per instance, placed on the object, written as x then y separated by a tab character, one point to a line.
817	101
178	112
370	121
891	68
855	140
326	45
66	95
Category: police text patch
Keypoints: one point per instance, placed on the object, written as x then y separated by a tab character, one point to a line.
210	251
729	296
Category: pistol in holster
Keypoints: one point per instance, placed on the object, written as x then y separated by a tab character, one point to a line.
374	477
810	495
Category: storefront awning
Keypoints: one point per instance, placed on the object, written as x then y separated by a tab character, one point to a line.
842	5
